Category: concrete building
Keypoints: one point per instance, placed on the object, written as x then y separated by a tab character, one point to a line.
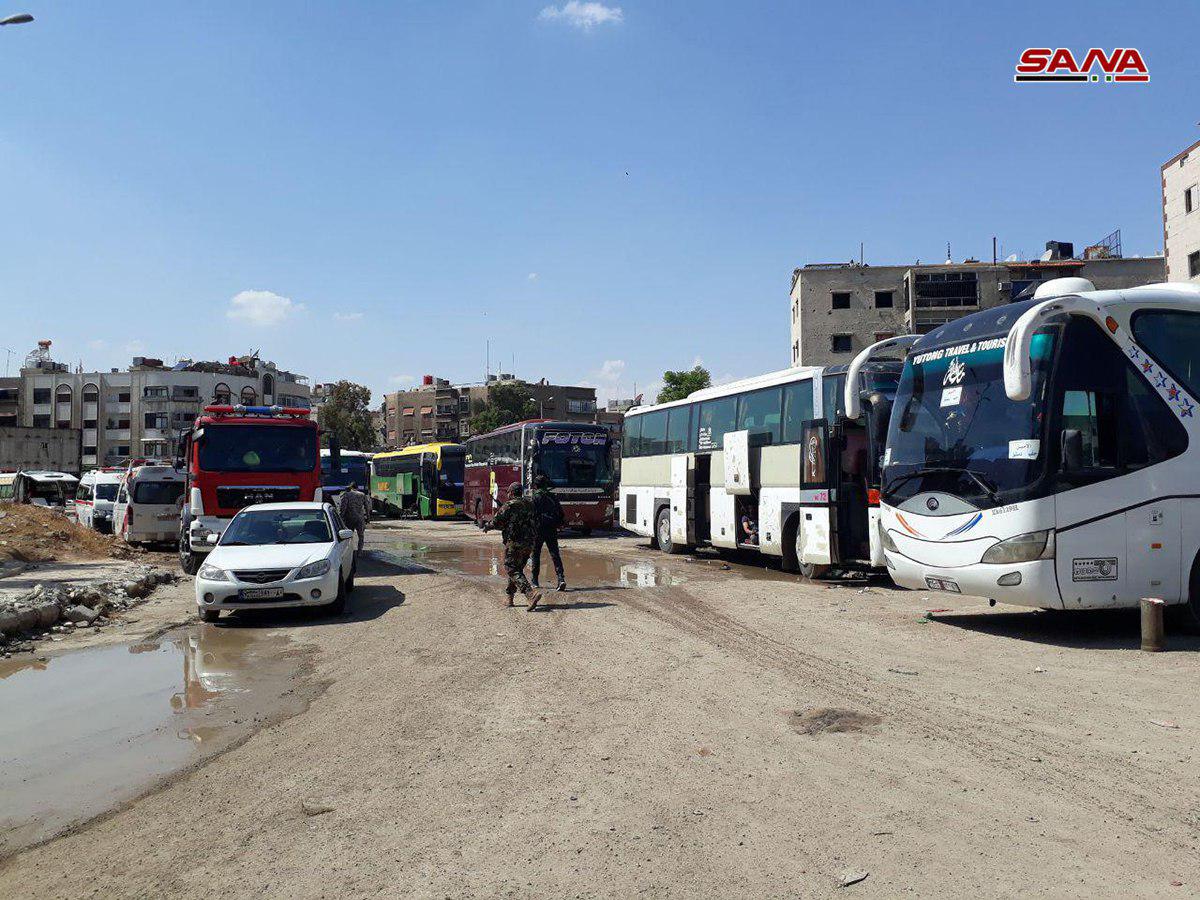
837	309
10	401
44	449
1181	214
439	411
139	412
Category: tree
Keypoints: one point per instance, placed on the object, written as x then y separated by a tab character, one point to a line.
677	385
346	412
506	403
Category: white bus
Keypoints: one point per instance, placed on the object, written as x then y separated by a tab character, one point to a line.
1039	452
95	497
148	505
770	464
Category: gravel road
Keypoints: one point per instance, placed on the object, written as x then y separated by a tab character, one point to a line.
673	727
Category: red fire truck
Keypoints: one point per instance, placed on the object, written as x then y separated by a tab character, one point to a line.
235	456
576	457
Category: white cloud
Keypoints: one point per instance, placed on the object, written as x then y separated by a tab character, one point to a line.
261	308
584	16
134	347
611	370
402	380
97	344
698	361
532	276
347	317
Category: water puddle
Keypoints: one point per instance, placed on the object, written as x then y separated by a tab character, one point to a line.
583	569
83	732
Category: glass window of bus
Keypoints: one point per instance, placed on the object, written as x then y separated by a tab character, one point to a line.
678	428
257	448
633	437
760	413
451	474
583	460
654	433
716	418
159	493
797	409
1173	339
833	397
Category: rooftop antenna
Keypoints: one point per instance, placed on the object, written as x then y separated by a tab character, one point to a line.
8	360
949	260
487	366
861	254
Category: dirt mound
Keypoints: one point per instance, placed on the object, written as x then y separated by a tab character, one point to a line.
37	534
827	720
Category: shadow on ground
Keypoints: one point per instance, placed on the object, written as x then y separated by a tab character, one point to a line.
1116	629
367	603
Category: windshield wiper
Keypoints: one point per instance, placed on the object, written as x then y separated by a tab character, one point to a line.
988	488
237	544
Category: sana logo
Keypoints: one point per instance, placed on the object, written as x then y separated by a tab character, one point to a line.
1121	64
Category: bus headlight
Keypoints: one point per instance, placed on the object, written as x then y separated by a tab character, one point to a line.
886	539
1022	548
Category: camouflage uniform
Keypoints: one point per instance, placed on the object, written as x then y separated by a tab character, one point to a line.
353	508
518	523
550	516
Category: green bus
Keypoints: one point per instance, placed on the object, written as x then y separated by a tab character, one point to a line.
425	480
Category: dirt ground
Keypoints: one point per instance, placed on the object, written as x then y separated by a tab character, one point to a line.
674	728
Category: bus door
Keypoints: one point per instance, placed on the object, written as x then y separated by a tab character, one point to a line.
427	496
683	500
818	521
850	446
877	408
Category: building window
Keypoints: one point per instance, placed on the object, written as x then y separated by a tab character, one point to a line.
249	396
1187	200
222	394
155	420
884	300
155	392
123	397
841	300
580	407
795	310
41	421
939	289
840	343
181	392
883	335
1194	264
89	451
41	395
91	393
89	423
795	351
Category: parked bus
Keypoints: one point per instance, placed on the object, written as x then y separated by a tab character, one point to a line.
94	498
771	464
425	480
235	456
148	503
38	488
1039	452
355	467
576	457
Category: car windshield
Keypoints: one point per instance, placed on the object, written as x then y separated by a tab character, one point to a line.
575	459
106	491
158	493
954	429
259	527
258	448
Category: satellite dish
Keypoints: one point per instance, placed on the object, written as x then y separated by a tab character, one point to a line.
1011	258
1047	256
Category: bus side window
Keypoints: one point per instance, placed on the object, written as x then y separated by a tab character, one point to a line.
1093	416
758	413
633	437
797	409
678	426
654	433
833	397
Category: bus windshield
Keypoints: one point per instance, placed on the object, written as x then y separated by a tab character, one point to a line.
258	448
575	459
954	429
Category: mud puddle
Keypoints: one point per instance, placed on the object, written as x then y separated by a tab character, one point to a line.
83	732
583	569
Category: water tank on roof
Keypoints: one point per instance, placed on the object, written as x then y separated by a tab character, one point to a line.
1060	287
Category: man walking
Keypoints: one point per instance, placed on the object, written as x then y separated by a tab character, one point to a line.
550	516
352	506
517	521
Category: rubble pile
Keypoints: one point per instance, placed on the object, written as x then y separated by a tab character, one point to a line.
46	609
38	534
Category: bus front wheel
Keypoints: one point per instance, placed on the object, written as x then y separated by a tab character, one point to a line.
811	571
1186	617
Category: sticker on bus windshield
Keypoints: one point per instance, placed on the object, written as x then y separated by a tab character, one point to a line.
952	396
1026	449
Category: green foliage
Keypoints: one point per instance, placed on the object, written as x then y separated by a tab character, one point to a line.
506	403
677	385
347	414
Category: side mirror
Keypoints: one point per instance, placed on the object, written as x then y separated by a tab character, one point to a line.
1072	450
212	538
345	534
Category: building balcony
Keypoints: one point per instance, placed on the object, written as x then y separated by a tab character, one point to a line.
116	434
116	407
156	434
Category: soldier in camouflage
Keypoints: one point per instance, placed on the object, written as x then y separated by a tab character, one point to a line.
518	523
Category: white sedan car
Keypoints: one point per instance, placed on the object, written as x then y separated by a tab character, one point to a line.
276	555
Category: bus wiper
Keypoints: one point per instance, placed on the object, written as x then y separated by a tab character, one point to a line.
988	488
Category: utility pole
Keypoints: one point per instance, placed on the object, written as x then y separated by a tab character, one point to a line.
7	359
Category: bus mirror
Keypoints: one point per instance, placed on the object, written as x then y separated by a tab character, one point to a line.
880	415
1072	450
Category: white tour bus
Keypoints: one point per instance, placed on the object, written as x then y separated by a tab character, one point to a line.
95	497
148	504
1038	452
769	464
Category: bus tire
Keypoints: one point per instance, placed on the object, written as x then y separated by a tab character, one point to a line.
813	571
1186	616
662	532
188	561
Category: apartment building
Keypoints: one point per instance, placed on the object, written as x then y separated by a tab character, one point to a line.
838	309
10	401
140	411
1181	214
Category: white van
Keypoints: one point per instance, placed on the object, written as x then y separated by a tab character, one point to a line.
95	497
148	504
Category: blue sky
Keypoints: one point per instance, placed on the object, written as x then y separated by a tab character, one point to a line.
374	190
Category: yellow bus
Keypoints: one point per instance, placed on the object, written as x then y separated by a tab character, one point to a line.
425	480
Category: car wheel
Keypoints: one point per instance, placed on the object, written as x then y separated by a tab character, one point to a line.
188	561
338	606
350	580
209	615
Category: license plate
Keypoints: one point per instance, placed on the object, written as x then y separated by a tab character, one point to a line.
260	593
943	584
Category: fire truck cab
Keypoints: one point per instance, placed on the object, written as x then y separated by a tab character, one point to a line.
236	456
